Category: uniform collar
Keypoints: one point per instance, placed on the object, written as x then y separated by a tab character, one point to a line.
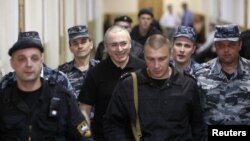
19	102
71	66
131	62
175	77
215	66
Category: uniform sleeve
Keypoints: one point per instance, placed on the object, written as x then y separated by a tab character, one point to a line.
88	90
197	121
116	119
6	79
78	129
64	81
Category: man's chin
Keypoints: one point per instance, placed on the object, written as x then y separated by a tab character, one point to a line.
121	58
181	61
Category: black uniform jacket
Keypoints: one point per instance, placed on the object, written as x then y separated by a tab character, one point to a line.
135	34
172	112
99	85
45	120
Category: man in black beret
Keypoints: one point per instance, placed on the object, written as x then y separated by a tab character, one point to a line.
33	108
31	39
124	21
136	48
27	40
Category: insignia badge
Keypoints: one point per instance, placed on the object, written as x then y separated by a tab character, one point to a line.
83	129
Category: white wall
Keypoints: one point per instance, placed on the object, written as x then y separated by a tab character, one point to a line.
8	30
232	11
34	16
51	32
98	16
43	16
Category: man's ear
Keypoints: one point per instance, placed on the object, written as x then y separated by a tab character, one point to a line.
91	44
11	63
240	45
43	58
194	49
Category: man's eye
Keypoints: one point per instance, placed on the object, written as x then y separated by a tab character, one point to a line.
123	44
36	58
114	45
178	44
21	59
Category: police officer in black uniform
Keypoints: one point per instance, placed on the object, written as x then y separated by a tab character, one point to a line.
34	109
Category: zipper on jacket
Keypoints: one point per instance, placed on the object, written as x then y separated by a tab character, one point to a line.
30	129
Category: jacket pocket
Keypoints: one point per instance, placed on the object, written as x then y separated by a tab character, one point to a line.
46	123
13	122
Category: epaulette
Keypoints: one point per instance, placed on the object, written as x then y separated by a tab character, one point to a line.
202	66
57	88
52	81
125	75
8	79
189	75
64	67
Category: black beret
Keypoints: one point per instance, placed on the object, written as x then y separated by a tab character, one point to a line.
145	11
28	39
123	18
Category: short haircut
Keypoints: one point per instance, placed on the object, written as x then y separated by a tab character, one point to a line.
157	41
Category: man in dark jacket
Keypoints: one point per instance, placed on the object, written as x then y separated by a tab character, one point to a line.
144	29
101	79
33	108
169	103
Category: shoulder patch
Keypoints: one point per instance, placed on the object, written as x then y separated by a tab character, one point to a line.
84	129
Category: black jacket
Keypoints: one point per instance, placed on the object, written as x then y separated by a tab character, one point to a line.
172	112
99	85
135	34
18	121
